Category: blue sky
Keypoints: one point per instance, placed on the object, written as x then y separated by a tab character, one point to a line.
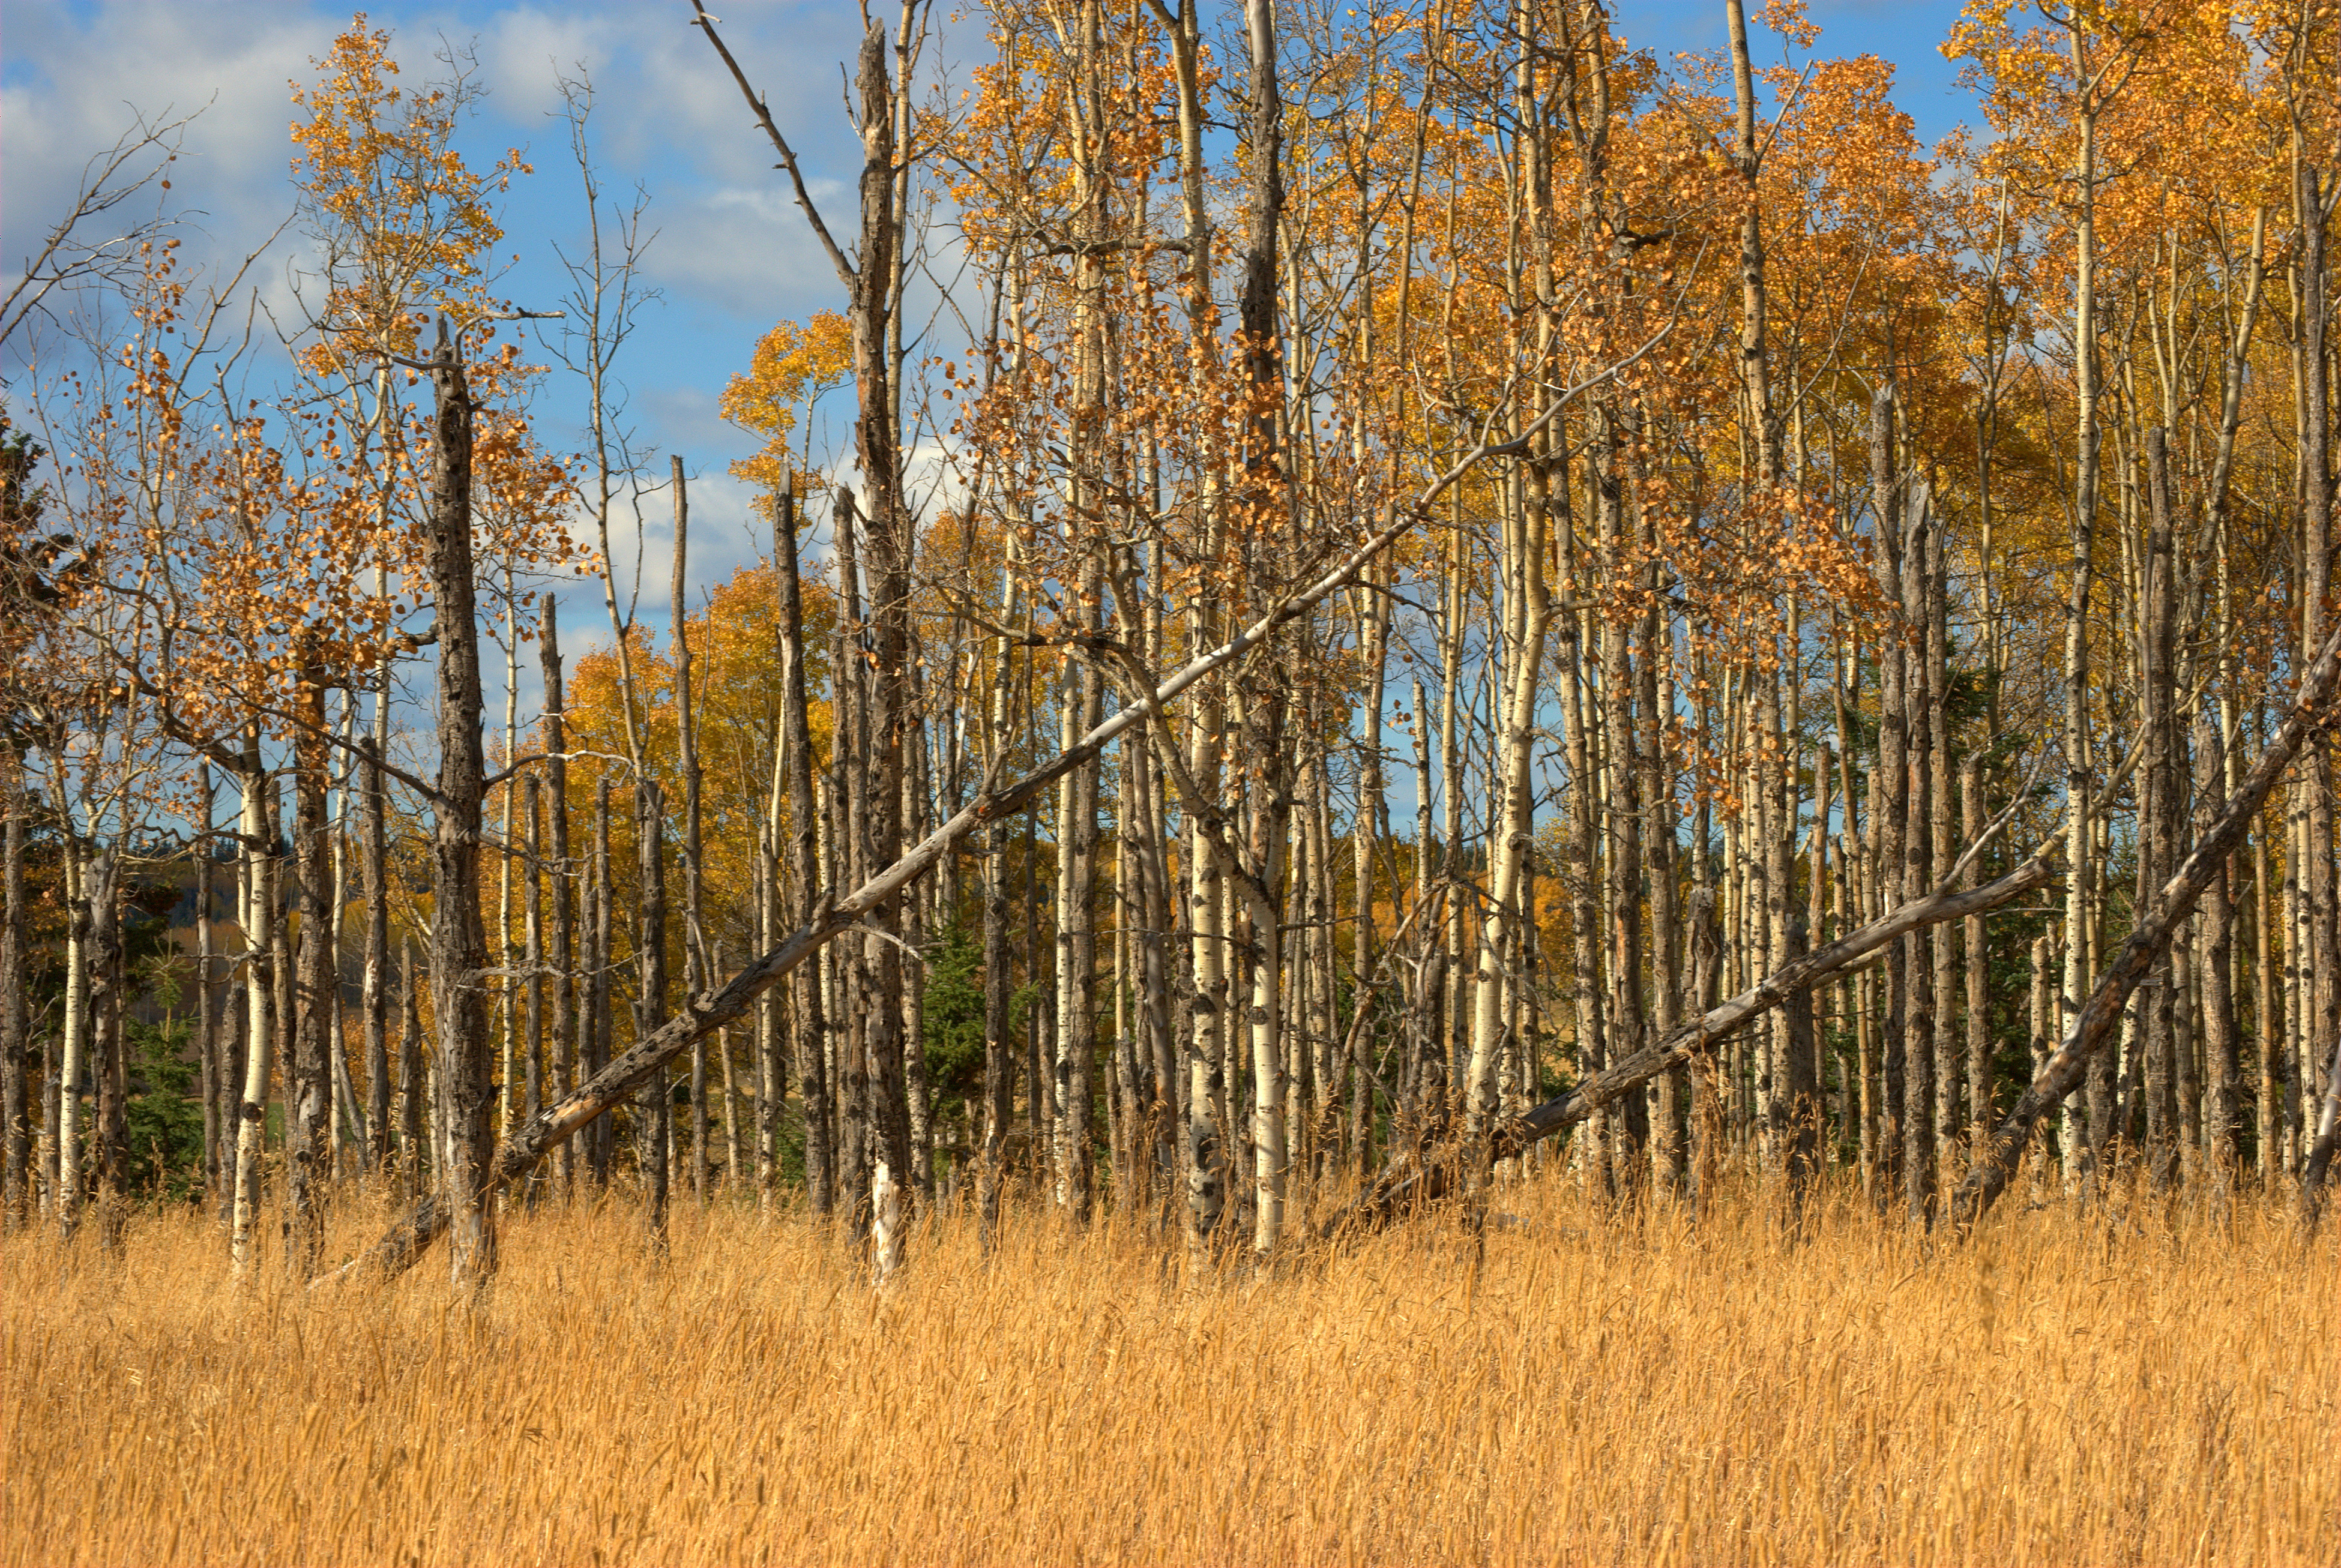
732	254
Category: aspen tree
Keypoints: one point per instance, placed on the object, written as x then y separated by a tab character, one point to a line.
97	1170
2321	1037
257	916
373	993
1528	612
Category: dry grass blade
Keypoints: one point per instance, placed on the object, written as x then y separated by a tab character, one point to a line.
1614	1390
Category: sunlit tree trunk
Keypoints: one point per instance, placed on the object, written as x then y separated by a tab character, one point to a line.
373	993
2321	1060
2079	860
257	916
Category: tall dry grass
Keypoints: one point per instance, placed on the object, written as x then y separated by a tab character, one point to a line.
1588	1389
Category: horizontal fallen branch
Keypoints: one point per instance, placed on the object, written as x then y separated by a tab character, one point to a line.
1427	1179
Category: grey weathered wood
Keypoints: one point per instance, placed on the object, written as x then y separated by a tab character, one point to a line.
16	1065
373	1005
1421	1181
2100	1016
309	1107
561	1070
459	944
803	853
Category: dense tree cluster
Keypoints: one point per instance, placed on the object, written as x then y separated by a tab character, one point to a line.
1487	583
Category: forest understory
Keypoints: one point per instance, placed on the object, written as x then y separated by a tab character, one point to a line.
2140	1384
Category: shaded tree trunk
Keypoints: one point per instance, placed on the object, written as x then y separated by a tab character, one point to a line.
653	1132
459	1004
561	1075
804	864
16	1055
309	1090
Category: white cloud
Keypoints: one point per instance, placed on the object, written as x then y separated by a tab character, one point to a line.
733	253
76	80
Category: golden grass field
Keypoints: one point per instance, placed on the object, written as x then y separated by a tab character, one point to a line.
1618	1390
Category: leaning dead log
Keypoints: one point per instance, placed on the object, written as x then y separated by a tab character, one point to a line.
2100	1018
1440	1172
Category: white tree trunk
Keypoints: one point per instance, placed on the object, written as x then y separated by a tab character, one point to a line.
74	1058
252	1109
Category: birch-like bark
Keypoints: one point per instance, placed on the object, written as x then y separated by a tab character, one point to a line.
109	1150
1270	811
347	1115
532	980
1889	797
1983	1088
257	918
2322	1038
2079	887
1514	838
1921	699
2160	795
1206	1153
1746	157
373	986
1373	640
71	1172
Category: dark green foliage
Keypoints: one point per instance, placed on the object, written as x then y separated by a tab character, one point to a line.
953	1017
166	1119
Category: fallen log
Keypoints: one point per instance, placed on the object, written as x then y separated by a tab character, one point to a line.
2100	1018
1427	1178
